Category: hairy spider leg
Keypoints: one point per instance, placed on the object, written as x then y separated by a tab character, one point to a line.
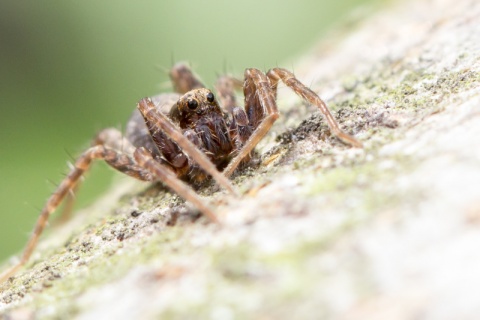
110	137
240	128
260	94
261	108
68	203
166	176
289	79
116	159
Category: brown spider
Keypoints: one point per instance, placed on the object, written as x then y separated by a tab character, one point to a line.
187	136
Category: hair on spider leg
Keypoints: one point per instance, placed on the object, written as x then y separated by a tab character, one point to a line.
53	183
64	175
70	165
72	158
32	206
71	193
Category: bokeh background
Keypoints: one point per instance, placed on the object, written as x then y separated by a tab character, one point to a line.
69	68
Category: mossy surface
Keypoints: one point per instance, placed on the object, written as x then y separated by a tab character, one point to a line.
299	241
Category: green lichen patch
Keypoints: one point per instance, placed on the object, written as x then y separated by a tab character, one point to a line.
297	242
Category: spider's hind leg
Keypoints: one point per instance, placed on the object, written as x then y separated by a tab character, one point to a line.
111	138
119	160
289	79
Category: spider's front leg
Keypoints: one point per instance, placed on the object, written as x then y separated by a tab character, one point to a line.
307	94
261	110
158	121
166	176
260	107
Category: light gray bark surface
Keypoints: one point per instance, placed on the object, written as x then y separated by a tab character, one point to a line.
322	231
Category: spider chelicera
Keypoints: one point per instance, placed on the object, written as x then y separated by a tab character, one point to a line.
188	136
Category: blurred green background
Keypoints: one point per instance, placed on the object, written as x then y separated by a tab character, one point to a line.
70	68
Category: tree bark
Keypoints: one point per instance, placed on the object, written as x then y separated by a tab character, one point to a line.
390	231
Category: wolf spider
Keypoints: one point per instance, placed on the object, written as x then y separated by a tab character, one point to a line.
188	137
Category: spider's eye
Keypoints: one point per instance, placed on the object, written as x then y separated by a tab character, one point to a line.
192	104
210	97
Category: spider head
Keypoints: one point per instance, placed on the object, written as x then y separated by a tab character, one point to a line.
193	105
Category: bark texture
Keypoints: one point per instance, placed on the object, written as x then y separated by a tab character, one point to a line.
322	231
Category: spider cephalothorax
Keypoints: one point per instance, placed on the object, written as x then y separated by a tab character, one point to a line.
188	136
204	123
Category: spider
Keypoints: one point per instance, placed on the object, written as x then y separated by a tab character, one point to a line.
187	137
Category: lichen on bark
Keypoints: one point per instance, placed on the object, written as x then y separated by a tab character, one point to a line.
322	230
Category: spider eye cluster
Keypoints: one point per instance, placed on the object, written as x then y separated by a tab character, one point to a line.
192	104
210	97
